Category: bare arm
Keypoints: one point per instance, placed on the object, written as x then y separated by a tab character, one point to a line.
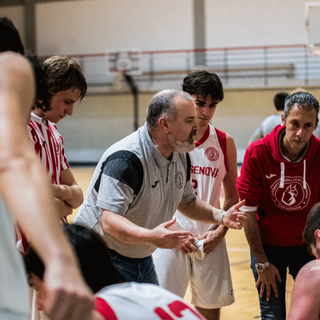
230	180
22	174
305	298
63	209
69	190
128	232
199	210
268	277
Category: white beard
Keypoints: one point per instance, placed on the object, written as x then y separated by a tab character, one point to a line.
182	146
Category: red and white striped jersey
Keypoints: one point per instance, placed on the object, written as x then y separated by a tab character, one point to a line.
142	301
48	144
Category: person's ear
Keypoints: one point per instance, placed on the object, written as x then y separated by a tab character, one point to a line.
317	236
163	125
282	119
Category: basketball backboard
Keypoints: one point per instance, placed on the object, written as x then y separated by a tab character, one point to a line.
124	61
312	20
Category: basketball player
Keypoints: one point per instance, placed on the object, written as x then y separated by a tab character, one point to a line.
213	163
25	192
305	298
63	79
280	180
114	299
67	83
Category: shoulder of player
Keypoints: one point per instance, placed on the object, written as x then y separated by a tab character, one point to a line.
308	277
231	146
224	135
14	64
311	269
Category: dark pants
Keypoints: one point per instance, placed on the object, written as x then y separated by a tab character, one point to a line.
293	258
137	270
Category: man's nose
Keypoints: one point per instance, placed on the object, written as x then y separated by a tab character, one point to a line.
69	110
205	111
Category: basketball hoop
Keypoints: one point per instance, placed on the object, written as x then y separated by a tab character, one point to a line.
123	65
126	61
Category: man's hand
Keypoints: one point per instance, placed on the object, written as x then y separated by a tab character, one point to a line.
68	297
211	239
267	279
233	218
161	237
188	245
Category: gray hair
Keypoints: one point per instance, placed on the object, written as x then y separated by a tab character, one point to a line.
162	104
303	100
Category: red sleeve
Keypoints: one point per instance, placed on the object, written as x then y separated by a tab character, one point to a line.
35	139
64	161
104	309
249	183
222	137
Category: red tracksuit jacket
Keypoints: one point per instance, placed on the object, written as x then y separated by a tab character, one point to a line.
284	192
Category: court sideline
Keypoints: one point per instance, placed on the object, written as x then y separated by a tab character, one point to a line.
246	304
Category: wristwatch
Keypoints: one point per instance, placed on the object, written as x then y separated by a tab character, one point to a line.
262	266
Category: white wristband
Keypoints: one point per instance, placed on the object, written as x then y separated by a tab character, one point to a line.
221	215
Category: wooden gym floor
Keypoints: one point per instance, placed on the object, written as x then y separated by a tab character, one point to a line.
246	304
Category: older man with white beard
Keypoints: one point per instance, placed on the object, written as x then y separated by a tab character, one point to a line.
139	183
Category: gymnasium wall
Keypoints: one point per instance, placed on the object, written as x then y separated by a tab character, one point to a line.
91	26
96	26
231	23
99	121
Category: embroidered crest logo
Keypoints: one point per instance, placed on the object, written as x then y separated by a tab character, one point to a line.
179	180
212	154
292	197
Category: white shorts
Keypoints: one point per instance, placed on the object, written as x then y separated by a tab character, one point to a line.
210	278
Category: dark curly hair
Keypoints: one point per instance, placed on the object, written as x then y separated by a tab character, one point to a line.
203	84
